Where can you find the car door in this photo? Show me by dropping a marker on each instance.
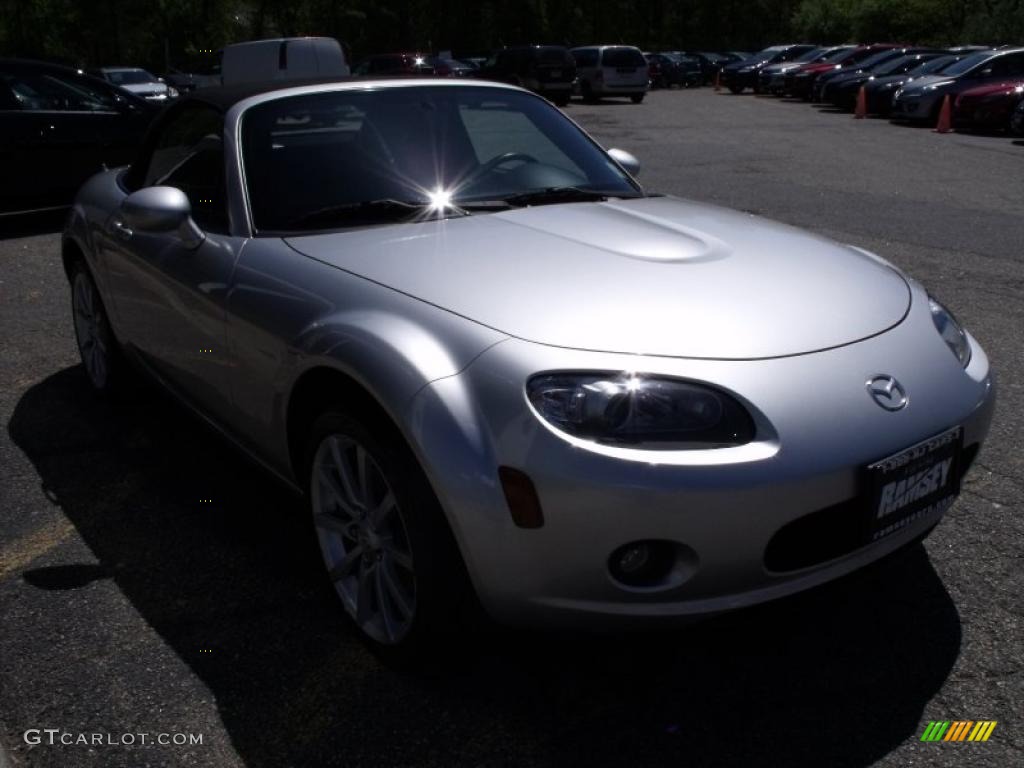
(53, 134)
(169, 297)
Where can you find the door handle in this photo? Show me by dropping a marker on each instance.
(120, 229)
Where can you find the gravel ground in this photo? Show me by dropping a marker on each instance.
(128, 606)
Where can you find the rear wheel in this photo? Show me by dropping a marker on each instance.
(736, 88)
(636, 98)
(561, 100)
(587, 92)
(384, 540)
(101, 356)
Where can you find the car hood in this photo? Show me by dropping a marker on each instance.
(820, 67)
(920, 83)
(144, 88)
(1005, 88)
(657, 275)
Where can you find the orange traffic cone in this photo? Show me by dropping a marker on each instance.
(862, 104)
(718, 85)
(945, 124)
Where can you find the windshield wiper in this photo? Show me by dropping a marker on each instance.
(552, 195)
(366, 211)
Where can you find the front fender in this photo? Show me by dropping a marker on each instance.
(289, 315)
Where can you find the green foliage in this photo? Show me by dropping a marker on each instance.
(154, 33)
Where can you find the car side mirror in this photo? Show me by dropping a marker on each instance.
(625, 159)
(162, 209)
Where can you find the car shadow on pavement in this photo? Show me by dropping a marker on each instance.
(838, 676)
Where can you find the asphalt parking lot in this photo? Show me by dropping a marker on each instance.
(131, 604)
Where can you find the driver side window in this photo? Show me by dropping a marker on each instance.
(189, 154)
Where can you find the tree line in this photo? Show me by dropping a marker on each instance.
(184, 33)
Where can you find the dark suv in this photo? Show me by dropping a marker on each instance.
(545, 69)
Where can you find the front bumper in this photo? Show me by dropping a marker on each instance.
(984, 115)
(916, 108)
(722, 506)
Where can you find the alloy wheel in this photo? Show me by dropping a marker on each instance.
(363, 539)
(90, 330)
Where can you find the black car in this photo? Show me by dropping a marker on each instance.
(843, 90)
(710, 63)
(545, 69)
(821, 91)
(59, 126)
(674, 68)
(1017, 120)
(741, 75)
(880, 89)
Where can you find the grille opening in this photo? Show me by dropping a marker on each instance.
(830, 532)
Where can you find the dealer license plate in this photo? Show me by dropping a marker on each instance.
(919, 482)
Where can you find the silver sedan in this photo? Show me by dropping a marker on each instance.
(495, 366)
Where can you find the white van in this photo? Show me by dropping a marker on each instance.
(611, 70)
(286, 58)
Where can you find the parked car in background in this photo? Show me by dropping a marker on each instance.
(406, 63)
(800, 81)
(444, 67)
(880, 90)
(988, 107)
(710, 63)
(611, 70)
(921, 100)
(741, 75)
(674, 68)
(138, 81)
(188, 81)
(1017, 120)
(844, 90)
(59, 126)
(824, 80)
(286, 58)
(545, 69)
(772, 77)
(841, 89)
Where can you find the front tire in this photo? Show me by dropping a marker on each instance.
(97, 346)
(736, 89)
(383, 537)
(636, 98)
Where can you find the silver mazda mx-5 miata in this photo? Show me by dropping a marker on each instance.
(494, 364)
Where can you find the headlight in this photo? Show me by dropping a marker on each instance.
(640, 411)
(951, 331)
(747, 69)
(936, 86)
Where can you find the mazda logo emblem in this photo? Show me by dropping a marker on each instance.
(887, 392)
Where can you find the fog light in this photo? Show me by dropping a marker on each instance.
(634, 558)
(643, 563)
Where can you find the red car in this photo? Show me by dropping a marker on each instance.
(988, 107)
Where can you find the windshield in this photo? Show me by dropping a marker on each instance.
(935, 65)
(130, 77)
(965, 65)
(448, 146)
(554, 57)
(811, 55)
(622, 57)
(900, 64)
(878, 58)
